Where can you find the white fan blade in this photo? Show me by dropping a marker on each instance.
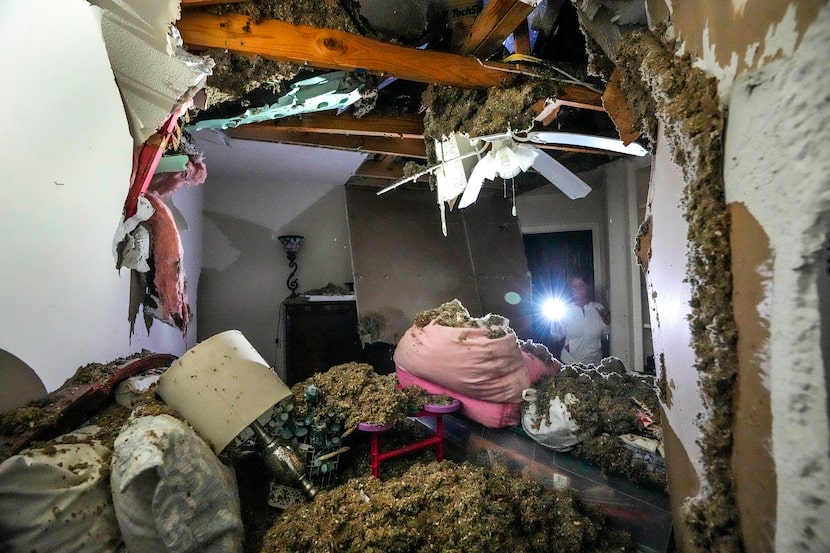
(526, 155)
(588, 141)
(484, 169)
(561, 177)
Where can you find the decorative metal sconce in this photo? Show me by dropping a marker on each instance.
(291, 243)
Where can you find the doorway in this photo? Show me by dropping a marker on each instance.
(551, 258)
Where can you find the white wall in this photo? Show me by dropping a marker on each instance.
(256, 191)
(777, 167)
(670, 294)
(64, 173)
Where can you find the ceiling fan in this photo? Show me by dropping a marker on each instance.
(505, 155)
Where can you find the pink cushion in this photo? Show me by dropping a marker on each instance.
(487, 413)
(466, 361)
(536, 368)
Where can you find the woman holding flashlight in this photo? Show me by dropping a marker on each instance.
(583, 325)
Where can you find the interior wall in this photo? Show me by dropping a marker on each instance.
(65, 173)
(705, 29)
(782, 259)
(776, 184)
(255, 192)
(669, 296)
(404, 264)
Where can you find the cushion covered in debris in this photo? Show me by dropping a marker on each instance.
(489, 413)
(486, 374)
(57, 498)
(465, 360)
(170, 491)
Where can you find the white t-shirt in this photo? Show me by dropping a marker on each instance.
(583, 329)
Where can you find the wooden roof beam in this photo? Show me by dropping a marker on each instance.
(405, 125)
(338, 50)
(335, 49)
(267, 132)
(494, 24)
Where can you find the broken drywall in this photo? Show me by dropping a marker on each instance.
(706, 29)
(685, 102)
(777, 167)
(154, 73)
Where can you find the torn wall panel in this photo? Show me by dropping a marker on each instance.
(777, 167)
(154, 73)
(705, 29)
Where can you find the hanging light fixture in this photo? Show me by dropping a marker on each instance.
(291, 243)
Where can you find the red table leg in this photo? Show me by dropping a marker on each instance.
(375, 457)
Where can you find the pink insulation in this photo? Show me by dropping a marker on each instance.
(167, 252)
(194, 174)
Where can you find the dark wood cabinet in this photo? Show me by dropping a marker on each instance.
(319, 335)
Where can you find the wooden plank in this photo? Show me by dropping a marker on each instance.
(406, 125)
(266, 132)
(548, 110)
(334, 49)
(494, 24)
(618, 109)
(521, 38)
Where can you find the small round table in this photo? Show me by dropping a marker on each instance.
(430, 410)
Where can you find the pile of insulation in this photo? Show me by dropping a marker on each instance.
(617, 416)
(444, 507)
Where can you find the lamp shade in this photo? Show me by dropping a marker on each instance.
(291, 242)
(220, 386)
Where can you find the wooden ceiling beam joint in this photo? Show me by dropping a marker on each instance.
(494, 24)
(405, 125)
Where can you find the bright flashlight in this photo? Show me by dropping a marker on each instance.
(554, 309)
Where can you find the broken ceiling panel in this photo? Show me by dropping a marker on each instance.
(335, 90)
(153, 71)
(607, 20)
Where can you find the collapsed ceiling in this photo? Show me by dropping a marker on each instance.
(389, 77)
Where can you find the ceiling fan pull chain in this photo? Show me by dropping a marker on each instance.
(513, 185)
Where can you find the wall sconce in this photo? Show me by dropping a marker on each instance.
(291, 243)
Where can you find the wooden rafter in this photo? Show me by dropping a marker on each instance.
(407, 125)
(268, 132)
(334, 49)
(521, 38)
(494, 24)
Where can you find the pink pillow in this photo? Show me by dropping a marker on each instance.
(465, 361)
(487, 413)
(536, 368)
